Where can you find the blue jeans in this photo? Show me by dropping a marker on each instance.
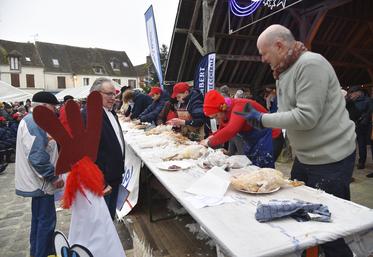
(43, 223)
(111, 200)
(333, 178)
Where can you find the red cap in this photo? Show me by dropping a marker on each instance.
(2, 118)
(15, 116)
(214, 103)
(155, 90)
(180, 88)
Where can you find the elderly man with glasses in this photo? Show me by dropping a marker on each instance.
(110, 155)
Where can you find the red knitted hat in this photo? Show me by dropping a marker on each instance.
(155, 90)
(180, 88)
(214, 103)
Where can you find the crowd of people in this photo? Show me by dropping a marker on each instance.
(306, 102)
(10, 116)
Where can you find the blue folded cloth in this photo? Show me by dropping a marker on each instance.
(297, 209)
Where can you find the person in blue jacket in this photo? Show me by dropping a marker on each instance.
(138, 102)
(151, 113)
(190, 117)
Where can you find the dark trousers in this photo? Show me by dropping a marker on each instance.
(333, 178)
(111, 200)
(278, 144)
(43, 223)
(363, 139)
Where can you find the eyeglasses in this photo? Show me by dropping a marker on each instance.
(109, 94)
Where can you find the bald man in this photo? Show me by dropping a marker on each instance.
(312, 109)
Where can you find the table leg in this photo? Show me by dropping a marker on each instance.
(150, 199)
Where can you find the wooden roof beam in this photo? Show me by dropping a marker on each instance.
(211, 27)
(312, 31)
(370, 25)
(370, 72)
(231, 49)
(350, 65)
(187, 43)
(196, 44)
(207, 14)
(219, 35)
(337, 45)
(362, 58)
(243, 50)
(324, 6)
(244, 58)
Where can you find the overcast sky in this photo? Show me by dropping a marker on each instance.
(109, 24)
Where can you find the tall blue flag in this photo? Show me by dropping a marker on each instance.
(204, 76)
(151, 32)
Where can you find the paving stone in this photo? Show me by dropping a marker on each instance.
(14, 214)
(8, 222)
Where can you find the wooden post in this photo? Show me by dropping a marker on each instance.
(207, 11)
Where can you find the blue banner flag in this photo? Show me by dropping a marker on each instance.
(151, 32)
(204, 77)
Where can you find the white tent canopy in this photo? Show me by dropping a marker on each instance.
(79, 92)
(76, 92)
(8, 93)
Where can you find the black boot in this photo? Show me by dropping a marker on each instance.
(3, 167)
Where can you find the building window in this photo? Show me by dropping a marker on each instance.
(85, 81)
(115, 65)
(28, 59)
(132, 83)
(117, 80)
(14, 63)
(125, 64)
(61, 82)
(98, 69)
(30, 81)
(55, 62)
(14, 79)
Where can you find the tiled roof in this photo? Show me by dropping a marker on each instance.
(79, 60)
(26, 51)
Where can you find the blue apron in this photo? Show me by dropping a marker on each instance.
(257, 146)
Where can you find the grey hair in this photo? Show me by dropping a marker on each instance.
(97, 85)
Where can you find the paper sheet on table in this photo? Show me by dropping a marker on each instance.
(199, 202)
(213, 184)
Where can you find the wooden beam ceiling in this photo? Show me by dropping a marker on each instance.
(232, 57)
(187, 42)
(219, 34)
(196, 44)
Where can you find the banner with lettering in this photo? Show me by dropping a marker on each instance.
(129, 189)
(151, 33)
(204, 76)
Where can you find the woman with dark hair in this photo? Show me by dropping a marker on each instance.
(137, 101)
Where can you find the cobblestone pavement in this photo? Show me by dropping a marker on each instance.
(15, 219)
(15, 211)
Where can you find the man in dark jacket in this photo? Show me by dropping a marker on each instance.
(151, 113)
(138, 102)
(110, 155)
(359, 107)
(189, 110)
